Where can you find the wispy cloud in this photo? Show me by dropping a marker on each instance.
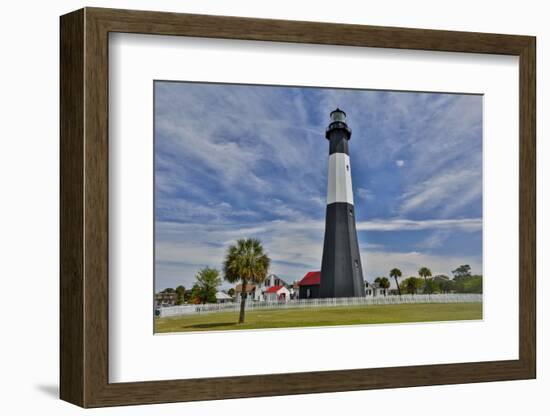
(468, 224)
(365, 194)
(449, 191)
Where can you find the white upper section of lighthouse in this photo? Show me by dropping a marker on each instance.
(339, 179)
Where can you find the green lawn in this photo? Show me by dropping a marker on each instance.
(288, 318)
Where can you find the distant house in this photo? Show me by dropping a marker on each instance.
(374, 289)
(271, 289)
(166, 299)
(222, 297)
(277, 294)
(272, 280)
(258, 292)
(309, 285)
(252, 292)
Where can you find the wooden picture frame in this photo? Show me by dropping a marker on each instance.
(84, 207)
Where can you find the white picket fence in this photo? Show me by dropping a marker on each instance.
(321, 303)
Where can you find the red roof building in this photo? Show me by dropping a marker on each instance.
(311, 279)
(277, 293)
(309, 285)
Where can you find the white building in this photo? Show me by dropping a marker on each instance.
(272, 280)
(253, 292)
(261, 292)
(222, 297)
(374, 289)
(277, 294)
(274, 288)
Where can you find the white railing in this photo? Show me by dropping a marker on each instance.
(322, 303)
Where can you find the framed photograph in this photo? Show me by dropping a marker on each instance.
(316, 195)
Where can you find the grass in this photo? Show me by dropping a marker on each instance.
(292, 318)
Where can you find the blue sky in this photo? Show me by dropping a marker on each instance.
(234, 161)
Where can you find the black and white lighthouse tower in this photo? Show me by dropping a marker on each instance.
(341, 271)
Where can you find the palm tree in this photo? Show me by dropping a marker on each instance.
(245, 262)
(425, 273)
(395, 273)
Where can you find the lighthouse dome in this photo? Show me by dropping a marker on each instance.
(338, 115)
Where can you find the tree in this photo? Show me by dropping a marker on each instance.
(245, 262)
(383, 282)
(168, 290)
(462, 271)
(425, 273)
(412, 284)
(231, 292)
(180, 292)
(395, 273)
(469, 284)
(206, 286)
(430, 286)
(446, 286)
(194, 295)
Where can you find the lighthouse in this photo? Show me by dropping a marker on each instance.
(341, 270)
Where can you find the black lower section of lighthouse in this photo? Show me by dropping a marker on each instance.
(341, 269)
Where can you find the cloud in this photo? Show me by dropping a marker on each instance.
(400, 163)
(237, 143)
(449, 191)
(365, 194)
(468, 224)
(436, 239)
